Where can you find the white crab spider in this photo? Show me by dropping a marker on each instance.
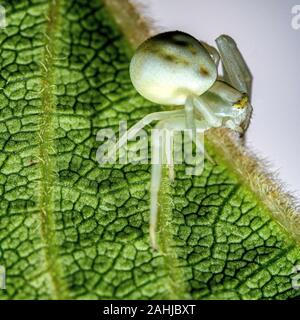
(173, 68)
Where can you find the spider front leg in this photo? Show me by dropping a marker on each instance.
(162, 152)
(213, 52)
(236, 71)
(132, 132)
(191, 122)
(156, 173)
(204, 109)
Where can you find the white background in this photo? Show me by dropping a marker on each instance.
(271, 48)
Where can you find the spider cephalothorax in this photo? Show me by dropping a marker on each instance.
(174, 68)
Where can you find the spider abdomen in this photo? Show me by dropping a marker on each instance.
(170, 66)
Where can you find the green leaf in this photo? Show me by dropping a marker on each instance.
(70, 229)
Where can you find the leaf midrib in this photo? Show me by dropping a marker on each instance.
(46, 158)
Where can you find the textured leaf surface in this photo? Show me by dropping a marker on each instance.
(71, 229)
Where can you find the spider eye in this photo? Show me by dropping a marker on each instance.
(242, 103)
